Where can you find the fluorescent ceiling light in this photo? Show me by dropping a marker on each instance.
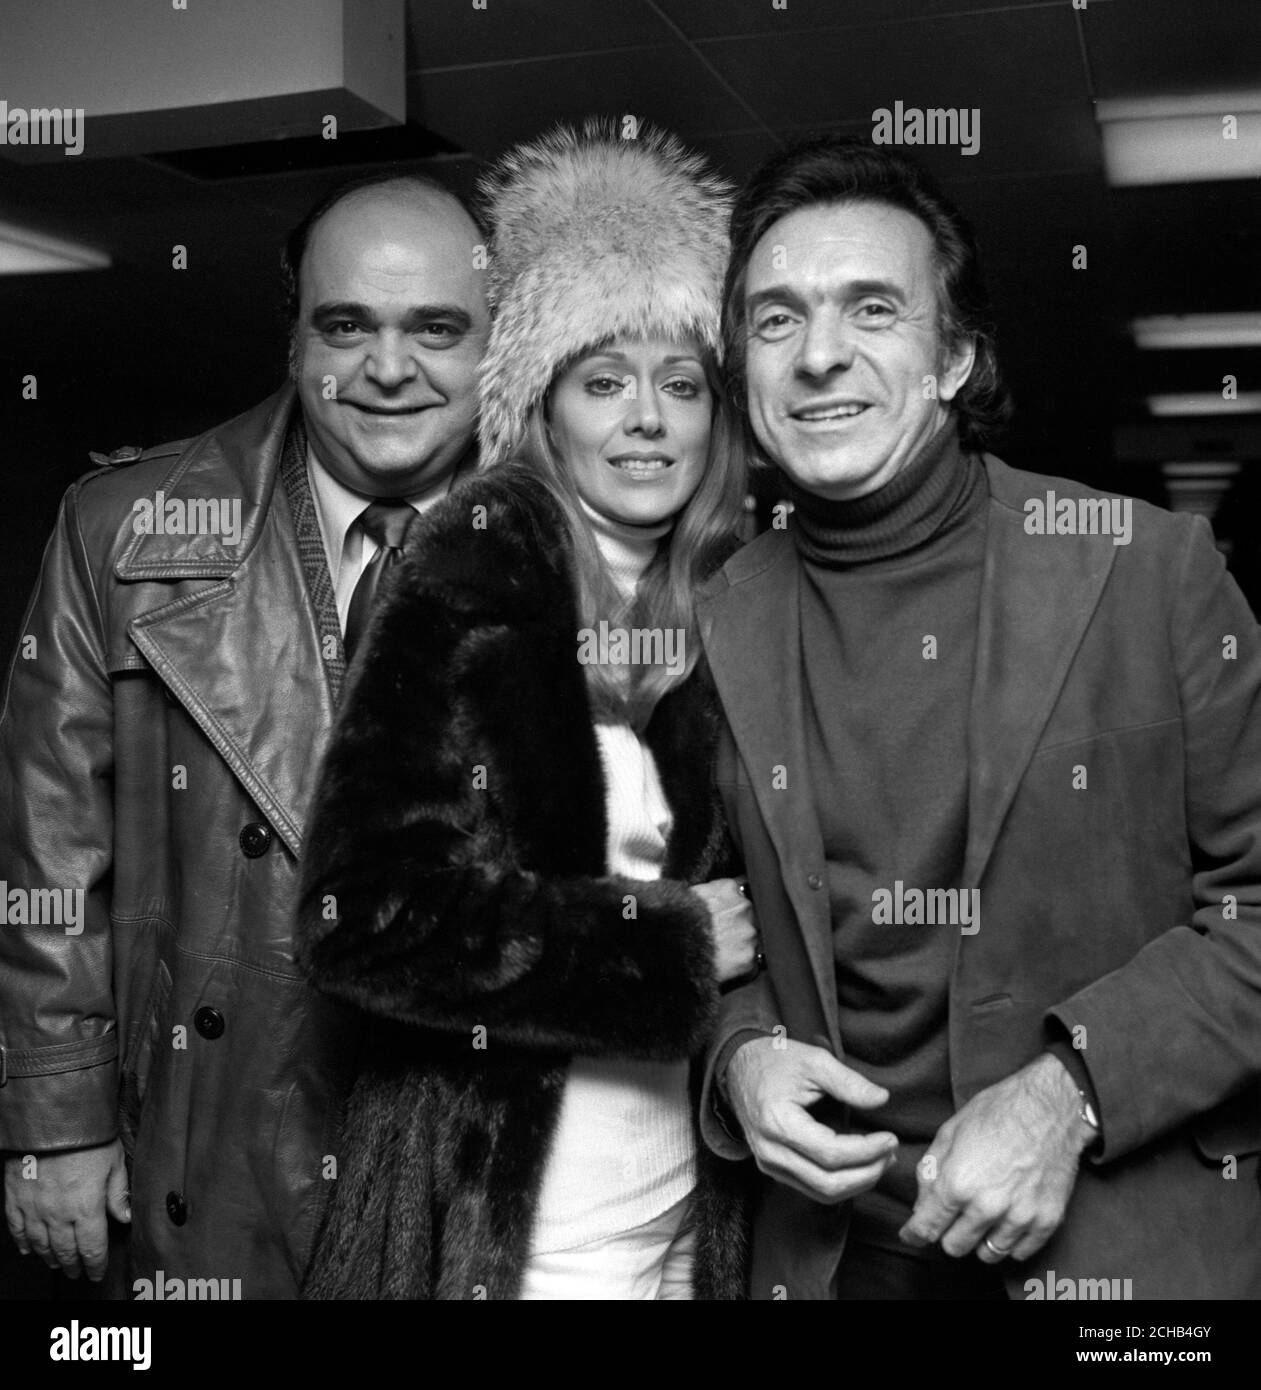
(1206, 470)
(25, 252)
(1149, 140)
(1198, 331)
(1199, 485)
(1204, 403)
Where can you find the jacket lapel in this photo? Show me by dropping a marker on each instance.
(243, 654)
(752, 633)
(1037, 596)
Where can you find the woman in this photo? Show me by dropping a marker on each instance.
(510, 814)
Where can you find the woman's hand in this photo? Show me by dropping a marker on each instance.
(733, 926)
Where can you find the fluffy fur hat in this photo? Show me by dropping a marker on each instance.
(592, 237)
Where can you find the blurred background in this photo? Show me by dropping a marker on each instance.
(1115, 191)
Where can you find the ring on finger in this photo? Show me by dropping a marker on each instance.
(1000, 1251)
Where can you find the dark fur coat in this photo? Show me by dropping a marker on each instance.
(455, 889)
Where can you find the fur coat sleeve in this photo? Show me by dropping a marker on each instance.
(455, 867)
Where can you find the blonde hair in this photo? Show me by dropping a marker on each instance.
(703, 535)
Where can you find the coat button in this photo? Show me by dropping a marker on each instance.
(176, 1208)
(815, 881)
(255, 839)
(209, 1023)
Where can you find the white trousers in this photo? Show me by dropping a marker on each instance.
(651, 1261)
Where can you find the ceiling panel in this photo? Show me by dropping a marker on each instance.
(445, 33)
(1050, 139)
(1145, 47)
(847, 74)
(715, 18)
(486, 109)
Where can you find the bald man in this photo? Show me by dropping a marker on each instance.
(162, 1062)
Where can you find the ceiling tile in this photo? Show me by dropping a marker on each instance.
(1146, 47)
(717, 18)
(1053, 138)
(486, 109)
(446, 33)
(847, 74)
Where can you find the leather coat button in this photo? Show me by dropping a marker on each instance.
(255, 839)
(815, 880)
(176, 1208)
(209, 1022)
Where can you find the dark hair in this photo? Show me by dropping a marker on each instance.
(830, 169)
(294, 248)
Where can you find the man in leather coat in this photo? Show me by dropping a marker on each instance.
(170, 696)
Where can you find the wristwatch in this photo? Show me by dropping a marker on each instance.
(1086, 1113)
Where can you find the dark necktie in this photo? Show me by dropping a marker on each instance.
(386, 522)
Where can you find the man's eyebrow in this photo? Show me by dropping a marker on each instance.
(451, 313)
(341, 309)
(420, 313)
(773, 294)
(853, 289)
(889, 288)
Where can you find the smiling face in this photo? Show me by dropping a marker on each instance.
(632, 421)
(391, 309)
(841, 318)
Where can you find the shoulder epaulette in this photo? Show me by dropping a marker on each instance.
(116, 458)
(132, 453)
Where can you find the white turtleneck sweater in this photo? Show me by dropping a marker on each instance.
(623, 1152)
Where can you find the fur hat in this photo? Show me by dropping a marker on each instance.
(593, 237)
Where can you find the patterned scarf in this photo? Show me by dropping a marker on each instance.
(319, 583)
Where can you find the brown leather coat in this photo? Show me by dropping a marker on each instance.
(163, 720)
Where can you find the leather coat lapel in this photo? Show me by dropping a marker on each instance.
(1038, 594)
(242, 655)
(752, 637)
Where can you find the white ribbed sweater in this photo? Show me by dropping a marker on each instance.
(623, 1150)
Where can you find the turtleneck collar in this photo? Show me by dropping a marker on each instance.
(627, 550)
(934, 492)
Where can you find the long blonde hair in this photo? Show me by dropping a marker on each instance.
(703, 535)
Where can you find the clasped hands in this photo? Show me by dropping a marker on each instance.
(996, 1179)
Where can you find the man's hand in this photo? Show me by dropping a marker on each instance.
(60, 1213)
(1003, 1168)
(770, 1083)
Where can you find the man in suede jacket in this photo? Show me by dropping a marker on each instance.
(993, 762)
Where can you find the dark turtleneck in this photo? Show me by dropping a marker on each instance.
(886, 734)
(929, 494)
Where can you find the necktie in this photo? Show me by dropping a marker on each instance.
(386, 522)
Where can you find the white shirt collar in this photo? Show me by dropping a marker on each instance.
(338, 507)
